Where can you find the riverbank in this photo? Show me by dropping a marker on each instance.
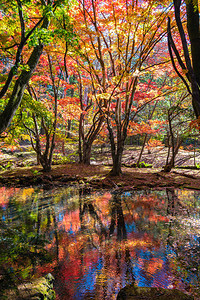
(98, 177)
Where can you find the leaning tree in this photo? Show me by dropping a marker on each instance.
(22, 36)
(187, 66)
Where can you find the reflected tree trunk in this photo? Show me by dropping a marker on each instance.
(129, 270)
(87, 207)
(55, 232)
(174, 204)
(117, 218)
(170, 197)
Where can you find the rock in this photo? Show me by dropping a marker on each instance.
(39, 289)
(133, 292)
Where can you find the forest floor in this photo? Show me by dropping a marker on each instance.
(96, 175)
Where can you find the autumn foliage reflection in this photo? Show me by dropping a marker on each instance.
(100, 241)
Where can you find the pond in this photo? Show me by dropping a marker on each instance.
(94, 243)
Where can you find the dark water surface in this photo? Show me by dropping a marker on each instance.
(94, 243)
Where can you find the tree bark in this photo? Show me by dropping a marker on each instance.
(86, 140)
(116, 152)
(194, 35)
(117, 161)
(87, 147)
(169, 165)
(193, 30)
(142, 149)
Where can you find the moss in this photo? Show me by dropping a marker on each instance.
(41, 288)
(132, 292)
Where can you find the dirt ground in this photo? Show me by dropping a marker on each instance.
(96, 175)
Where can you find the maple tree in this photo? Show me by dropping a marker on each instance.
(45, 156)
(90, 118)
(114, 61)
(60, 32)
(49, 106)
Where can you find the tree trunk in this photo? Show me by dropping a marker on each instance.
(169, 165)
(194, 35)
(86, 153)
(81, 137)
(44, 161)
(86, 140)
(69, 123)
(195, 145)
(15, 99)
(142, 150)
(46, 166)
(117, 161)
(116, 150)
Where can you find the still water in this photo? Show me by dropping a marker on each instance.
(94, 243)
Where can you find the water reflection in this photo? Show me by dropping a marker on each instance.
(95, 243)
